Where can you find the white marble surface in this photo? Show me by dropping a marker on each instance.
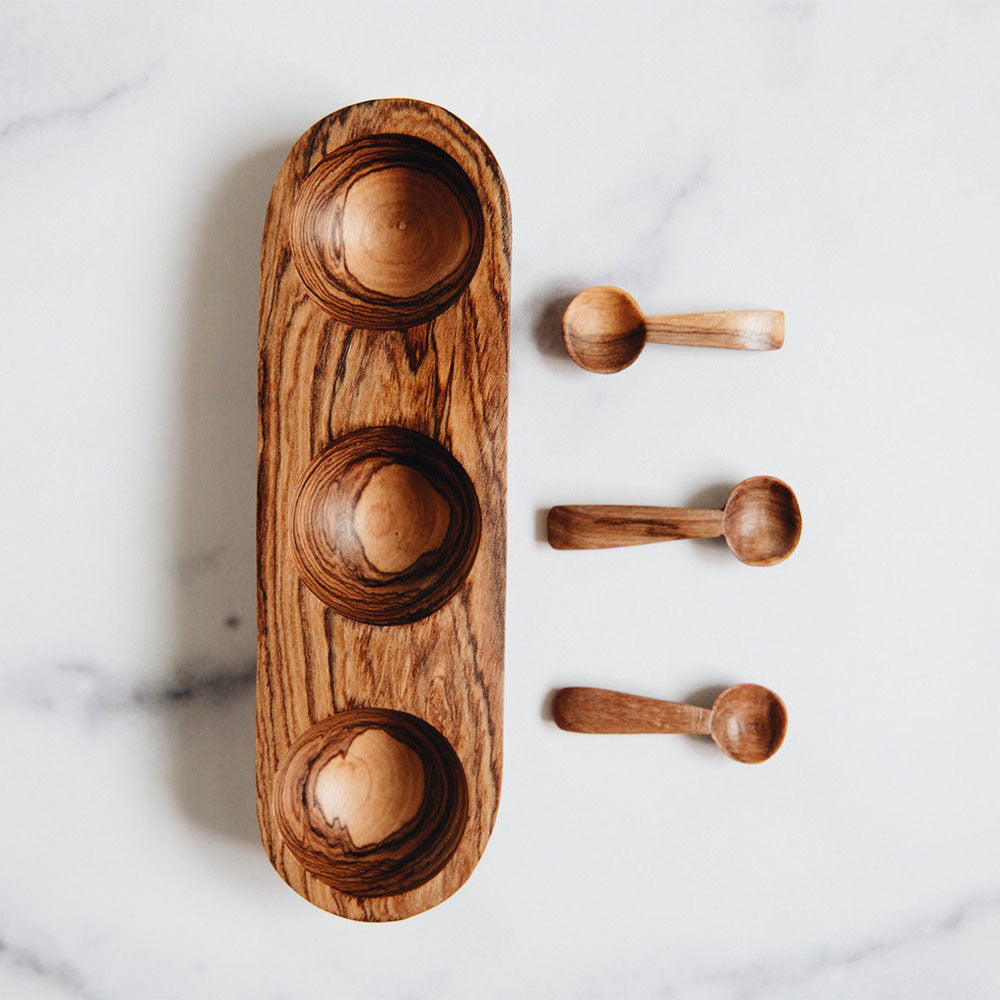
(840, 162)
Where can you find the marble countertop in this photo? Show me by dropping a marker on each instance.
(840, 162)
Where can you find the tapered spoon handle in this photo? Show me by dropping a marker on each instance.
(594, 710)
(603, 527)
(759, 330)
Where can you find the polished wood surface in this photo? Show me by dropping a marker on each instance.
(604, 330)
(761, 523)
(385, 283)
(746, 721)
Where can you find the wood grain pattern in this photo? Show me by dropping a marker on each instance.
(733, 329)
(597, 710)
(604, 329)
(339, 352)
(747, 722)
(607, 526)
(761, 523)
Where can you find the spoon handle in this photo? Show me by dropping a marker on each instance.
(594, 710)
(603, 527)
(760, 330)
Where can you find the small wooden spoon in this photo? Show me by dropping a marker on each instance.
(747, 721)
(604, 330)
(761, 523)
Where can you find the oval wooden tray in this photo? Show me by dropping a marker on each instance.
(381, 517)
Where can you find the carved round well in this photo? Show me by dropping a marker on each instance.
(386, 526)
(372, 801)
(387, 232)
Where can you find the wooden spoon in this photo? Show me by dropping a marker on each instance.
(604, 330)
(761, 523)
(747, 721)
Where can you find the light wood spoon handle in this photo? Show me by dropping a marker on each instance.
(756, 330)
(604, 527)
(594, 710)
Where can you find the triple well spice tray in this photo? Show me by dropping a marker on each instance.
(381, 524)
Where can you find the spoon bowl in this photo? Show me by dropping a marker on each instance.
(372, 801)
(748, 723)
(386, 232)
(386, 526)
(604, 330)
(761, 521)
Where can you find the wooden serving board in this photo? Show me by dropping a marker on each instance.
(324, 374)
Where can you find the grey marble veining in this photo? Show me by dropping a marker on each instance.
(82, 686)
(795, 973)
(79, 114)
(35, 966)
